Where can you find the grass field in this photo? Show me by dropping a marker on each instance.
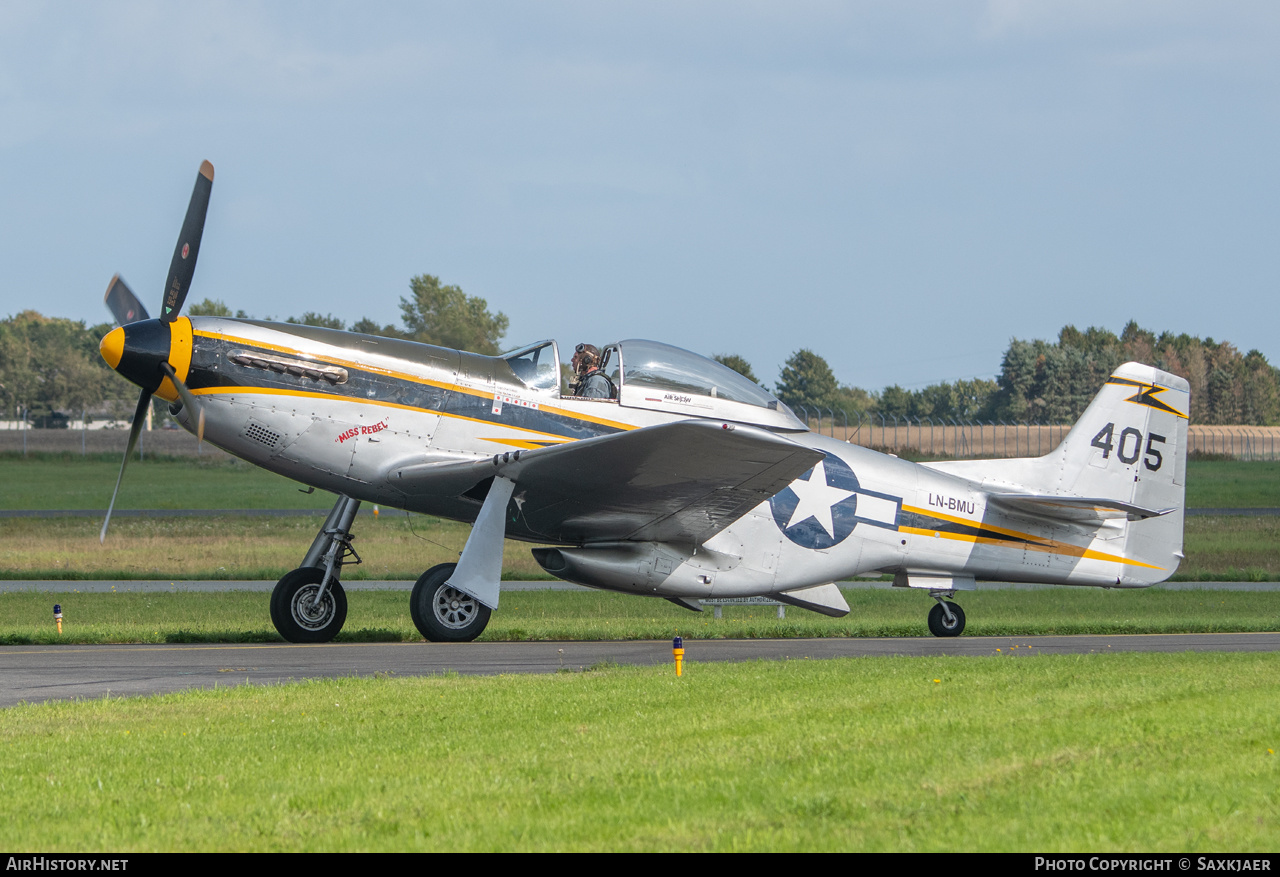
(1123, 752)
(242, 616)
(67, 481)
(1217, 484)
(395, 546)
(399, 547)
(1117, 752)
(1232, 549)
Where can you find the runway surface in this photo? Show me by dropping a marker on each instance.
(43, 673)
(106, 586)
(367, 510)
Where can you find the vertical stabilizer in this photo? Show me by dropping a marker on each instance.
(1130, 445)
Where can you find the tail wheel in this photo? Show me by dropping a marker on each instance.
(940, 625)
(444, 614)
(296, 613)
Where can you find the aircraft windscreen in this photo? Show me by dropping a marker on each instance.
(664, 367)
(536, 366)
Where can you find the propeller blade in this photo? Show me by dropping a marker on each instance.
(188, 399)
(183, 265)
(139, 416)
(122, 303)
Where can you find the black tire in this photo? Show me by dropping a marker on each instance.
(443, 614)
(292, 614)
(938, 625)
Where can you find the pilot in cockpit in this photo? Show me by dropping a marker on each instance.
(589, 381)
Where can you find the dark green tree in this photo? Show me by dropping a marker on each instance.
(214, 307)
(52, 364)
(807, 380)
(1054, 383)
(366, 326)
(972, 398)
(851, 399)
(894, 402)
(1260, 402)
(738, 364)
(324, 321)
(448, 317)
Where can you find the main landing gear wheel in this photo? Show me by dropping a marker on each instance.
(443, 614)
(297, 615)
(940, 625)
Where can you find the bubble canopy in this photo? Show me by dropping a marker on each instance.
(650, 374)
(656, 375)
(663, 367)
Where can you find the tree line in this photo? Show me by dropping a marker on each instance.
(50, 364)
(433, 313)
(1053, 382)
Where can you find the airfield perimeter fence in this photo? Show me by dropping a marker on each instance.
(914, 437)
(952, 439)
(113, 440)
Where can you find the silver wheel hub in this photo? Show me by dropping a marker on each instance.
(454, 609)
(307, 612)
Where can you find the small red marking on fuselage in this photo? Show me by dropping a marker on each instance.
(361, 430)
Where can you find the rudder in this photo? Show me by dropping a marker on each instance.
(1130, 445)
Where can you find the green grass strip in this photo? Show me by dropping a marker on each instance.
(70, 481)
(383, 616)
(399, 547)
(66, 481)
(1106, 753)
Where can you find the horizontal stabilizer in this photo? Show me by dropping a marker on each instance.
(1076, 509)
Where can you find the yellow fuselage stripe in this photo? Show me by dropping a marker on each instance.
(1033, 543)
(969, 523)
(307, 394)
(405, 376)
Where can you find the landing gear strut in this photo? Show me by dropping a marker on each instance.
(308, 605)
(945, 618)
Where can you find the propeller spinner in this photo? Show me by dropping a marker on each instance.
(156, 354)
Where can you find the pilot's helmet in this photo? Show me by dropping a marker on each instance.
(585, 357)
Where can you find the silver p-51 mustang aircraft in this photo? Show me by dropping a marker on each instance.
(693, 482)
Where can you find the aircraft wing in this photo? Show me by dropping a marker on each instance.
(676, 482)
(1073, 508)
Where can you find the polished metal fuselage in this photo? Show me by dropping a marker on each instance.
(341, 412)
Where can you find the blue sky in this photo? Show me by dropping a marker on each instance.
(902, 187)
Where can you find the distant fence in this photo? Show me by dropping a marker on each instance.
(917, 437)
(166, 442)
(958, 440)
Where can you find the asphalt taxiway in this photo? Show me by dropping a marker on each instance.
(43, 673)
(178, 586)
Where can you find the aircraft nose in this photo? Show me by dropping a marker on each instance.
(112, 346)
(136, 351)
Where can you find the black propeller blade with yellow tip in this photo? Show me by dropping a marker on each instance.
(156, 354)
